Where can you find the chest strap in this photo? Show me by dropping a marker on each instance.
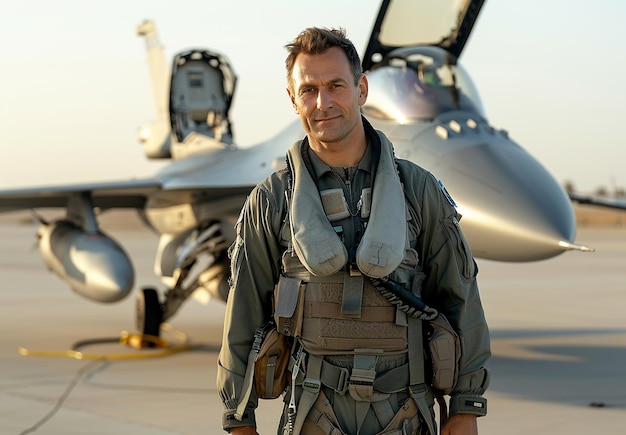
(338, 378)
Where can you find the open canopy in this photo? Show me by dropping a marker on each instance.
(404, 23)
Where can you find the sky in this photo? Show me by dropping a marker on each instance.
(74, 83)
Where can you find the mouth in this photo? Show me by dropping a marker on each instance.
(326, 119)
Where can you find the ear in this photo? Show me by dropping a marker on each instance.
(293, 101)
(363, 88)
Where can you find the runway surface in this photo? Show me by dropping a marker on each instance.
(558, 336)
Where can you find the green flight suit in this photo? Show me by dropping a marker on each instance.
(445, 258)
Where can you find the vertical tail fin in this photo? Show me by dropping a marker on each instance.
(155, 136)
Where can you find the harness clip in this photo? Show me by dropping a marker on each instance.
(353, 270)
(343, 382)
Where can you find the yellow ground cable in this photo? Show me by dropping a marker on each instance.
(130, 339)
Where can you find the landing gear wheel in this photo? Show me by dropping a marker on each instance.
(148, 317)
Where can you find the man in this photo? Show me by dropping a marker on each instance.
(342, 218)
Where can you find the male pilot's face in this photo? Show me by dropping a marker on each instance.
(323, 94)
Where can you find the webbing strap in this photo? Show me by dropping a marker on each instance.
(322, 421)
(271, 369)
(361, 409)
(310, 390)
(418, 395)
(247, 386)
(361, 385)
(352, 298)
(383, 411)
(416, 351)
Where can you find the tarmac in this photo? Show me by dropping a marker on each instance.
(558, 337)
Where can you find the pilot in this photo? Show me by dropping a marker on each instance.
(315, 241)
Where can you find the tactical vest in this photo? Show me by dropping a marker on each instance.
(330, 305)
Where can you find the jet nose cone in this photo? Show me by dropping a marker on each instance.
(513, 209)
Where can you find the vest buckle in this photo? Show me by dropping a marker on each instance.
(361, 386)
(343, 382)
(311, 385)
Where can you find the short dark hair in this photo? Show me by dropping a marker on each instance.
(316, 40)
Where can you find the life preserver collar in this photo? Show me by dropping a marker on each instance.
(314, 240)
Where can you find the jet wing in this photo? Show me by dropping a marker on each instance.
(120, 194)
(619, 204)
(401, 23)
(203, 177)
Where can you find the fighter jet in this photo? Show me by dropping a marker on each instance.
(420, 96)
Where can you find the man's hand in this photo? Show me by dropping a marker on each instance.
(243, 430)
(460, 424)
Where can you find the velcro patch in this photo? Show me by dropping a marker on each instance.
(446, 194)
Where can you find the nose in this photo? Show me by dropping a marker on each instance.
(513, 209)
(324, 100)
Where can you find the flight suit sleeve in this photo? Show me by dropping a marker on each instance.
(451, 287)
(255, 265)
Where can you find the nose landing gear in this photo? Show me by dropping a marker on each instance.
(202, 263)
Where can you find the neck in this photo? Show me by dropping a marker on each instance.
(347, 152)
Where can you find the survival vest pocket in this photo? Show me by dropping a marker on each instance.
(270, 366)
(288, 305)
(444, 353)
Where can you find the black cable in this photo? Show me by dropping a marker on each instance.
(59, 403)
